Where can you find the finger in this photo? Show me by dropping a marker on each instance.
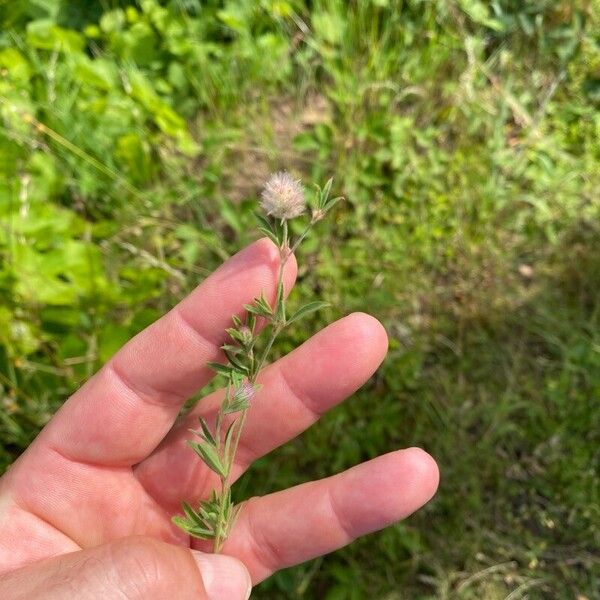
(120, 415)
(295, 392)
(134, 568)
(289, 527)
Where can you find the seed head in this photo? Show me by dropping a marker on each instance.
(245, 392)
(283, 196)
(246, 334)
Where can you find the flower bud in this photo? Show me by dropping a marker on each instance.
(246, 335)
(317, 214)
(244, 393)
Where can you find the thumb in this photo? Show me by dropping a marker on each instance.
(224, 577)
(136, 568)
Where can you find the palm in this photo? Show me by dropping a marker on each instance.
(111, 463)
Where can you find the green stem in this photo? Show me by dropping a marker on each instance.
(302, 236)
(225, 486)
(284, 254)
(261, 361)
(220, 525)
(255, 368)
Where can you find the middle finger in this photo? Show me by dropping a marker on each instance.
(295, 392)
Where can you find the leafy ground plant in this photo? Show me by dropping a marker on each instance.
(251, 341)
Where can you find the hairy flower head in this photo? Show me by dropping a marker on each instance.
(245, 392)
(283, 196)
(246, 335)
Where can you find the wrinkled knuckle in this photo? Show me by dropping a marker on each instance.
(261, 546)
(142, 567)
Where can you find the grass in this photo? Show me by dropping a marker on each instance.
(464, 136)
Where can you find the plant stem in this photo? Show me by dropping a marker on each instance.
(261, 361)
(218, 514)
(277, 325)
(224, 483)
(219, 533)
(302, 236)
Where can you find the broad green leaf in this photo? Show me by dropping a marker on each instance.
(46, 35)
(16, 65)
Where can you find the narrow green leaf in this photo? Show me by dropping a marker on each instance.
(325, 193)
(331, 203)
(208, 436)
(258, 309)
(181, 522)
(219, 368)
(210, 456)
(262, 301)
(201, 534)
(227, 443)
(192, 516)
(231, 349)
(236, 363)
(234, 334)
(265, 223)
(270, 235)
(306, 310)
(194, 530)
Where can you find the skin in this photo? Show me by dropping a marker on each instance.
(88, 506)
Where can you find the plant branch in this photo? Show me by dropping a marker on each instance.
(214, 517)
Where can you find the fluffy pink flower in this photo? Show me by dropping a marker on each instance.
(283, 196)
(245, 392)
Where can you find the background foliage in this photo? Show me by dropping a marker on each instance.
(134, 137)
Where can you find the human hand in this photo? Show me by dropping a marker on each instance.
(86, 510)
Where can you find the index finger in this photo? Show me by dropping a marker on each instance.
(120, 415)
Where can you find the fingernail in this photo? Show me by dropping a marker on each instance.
(224, 577)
